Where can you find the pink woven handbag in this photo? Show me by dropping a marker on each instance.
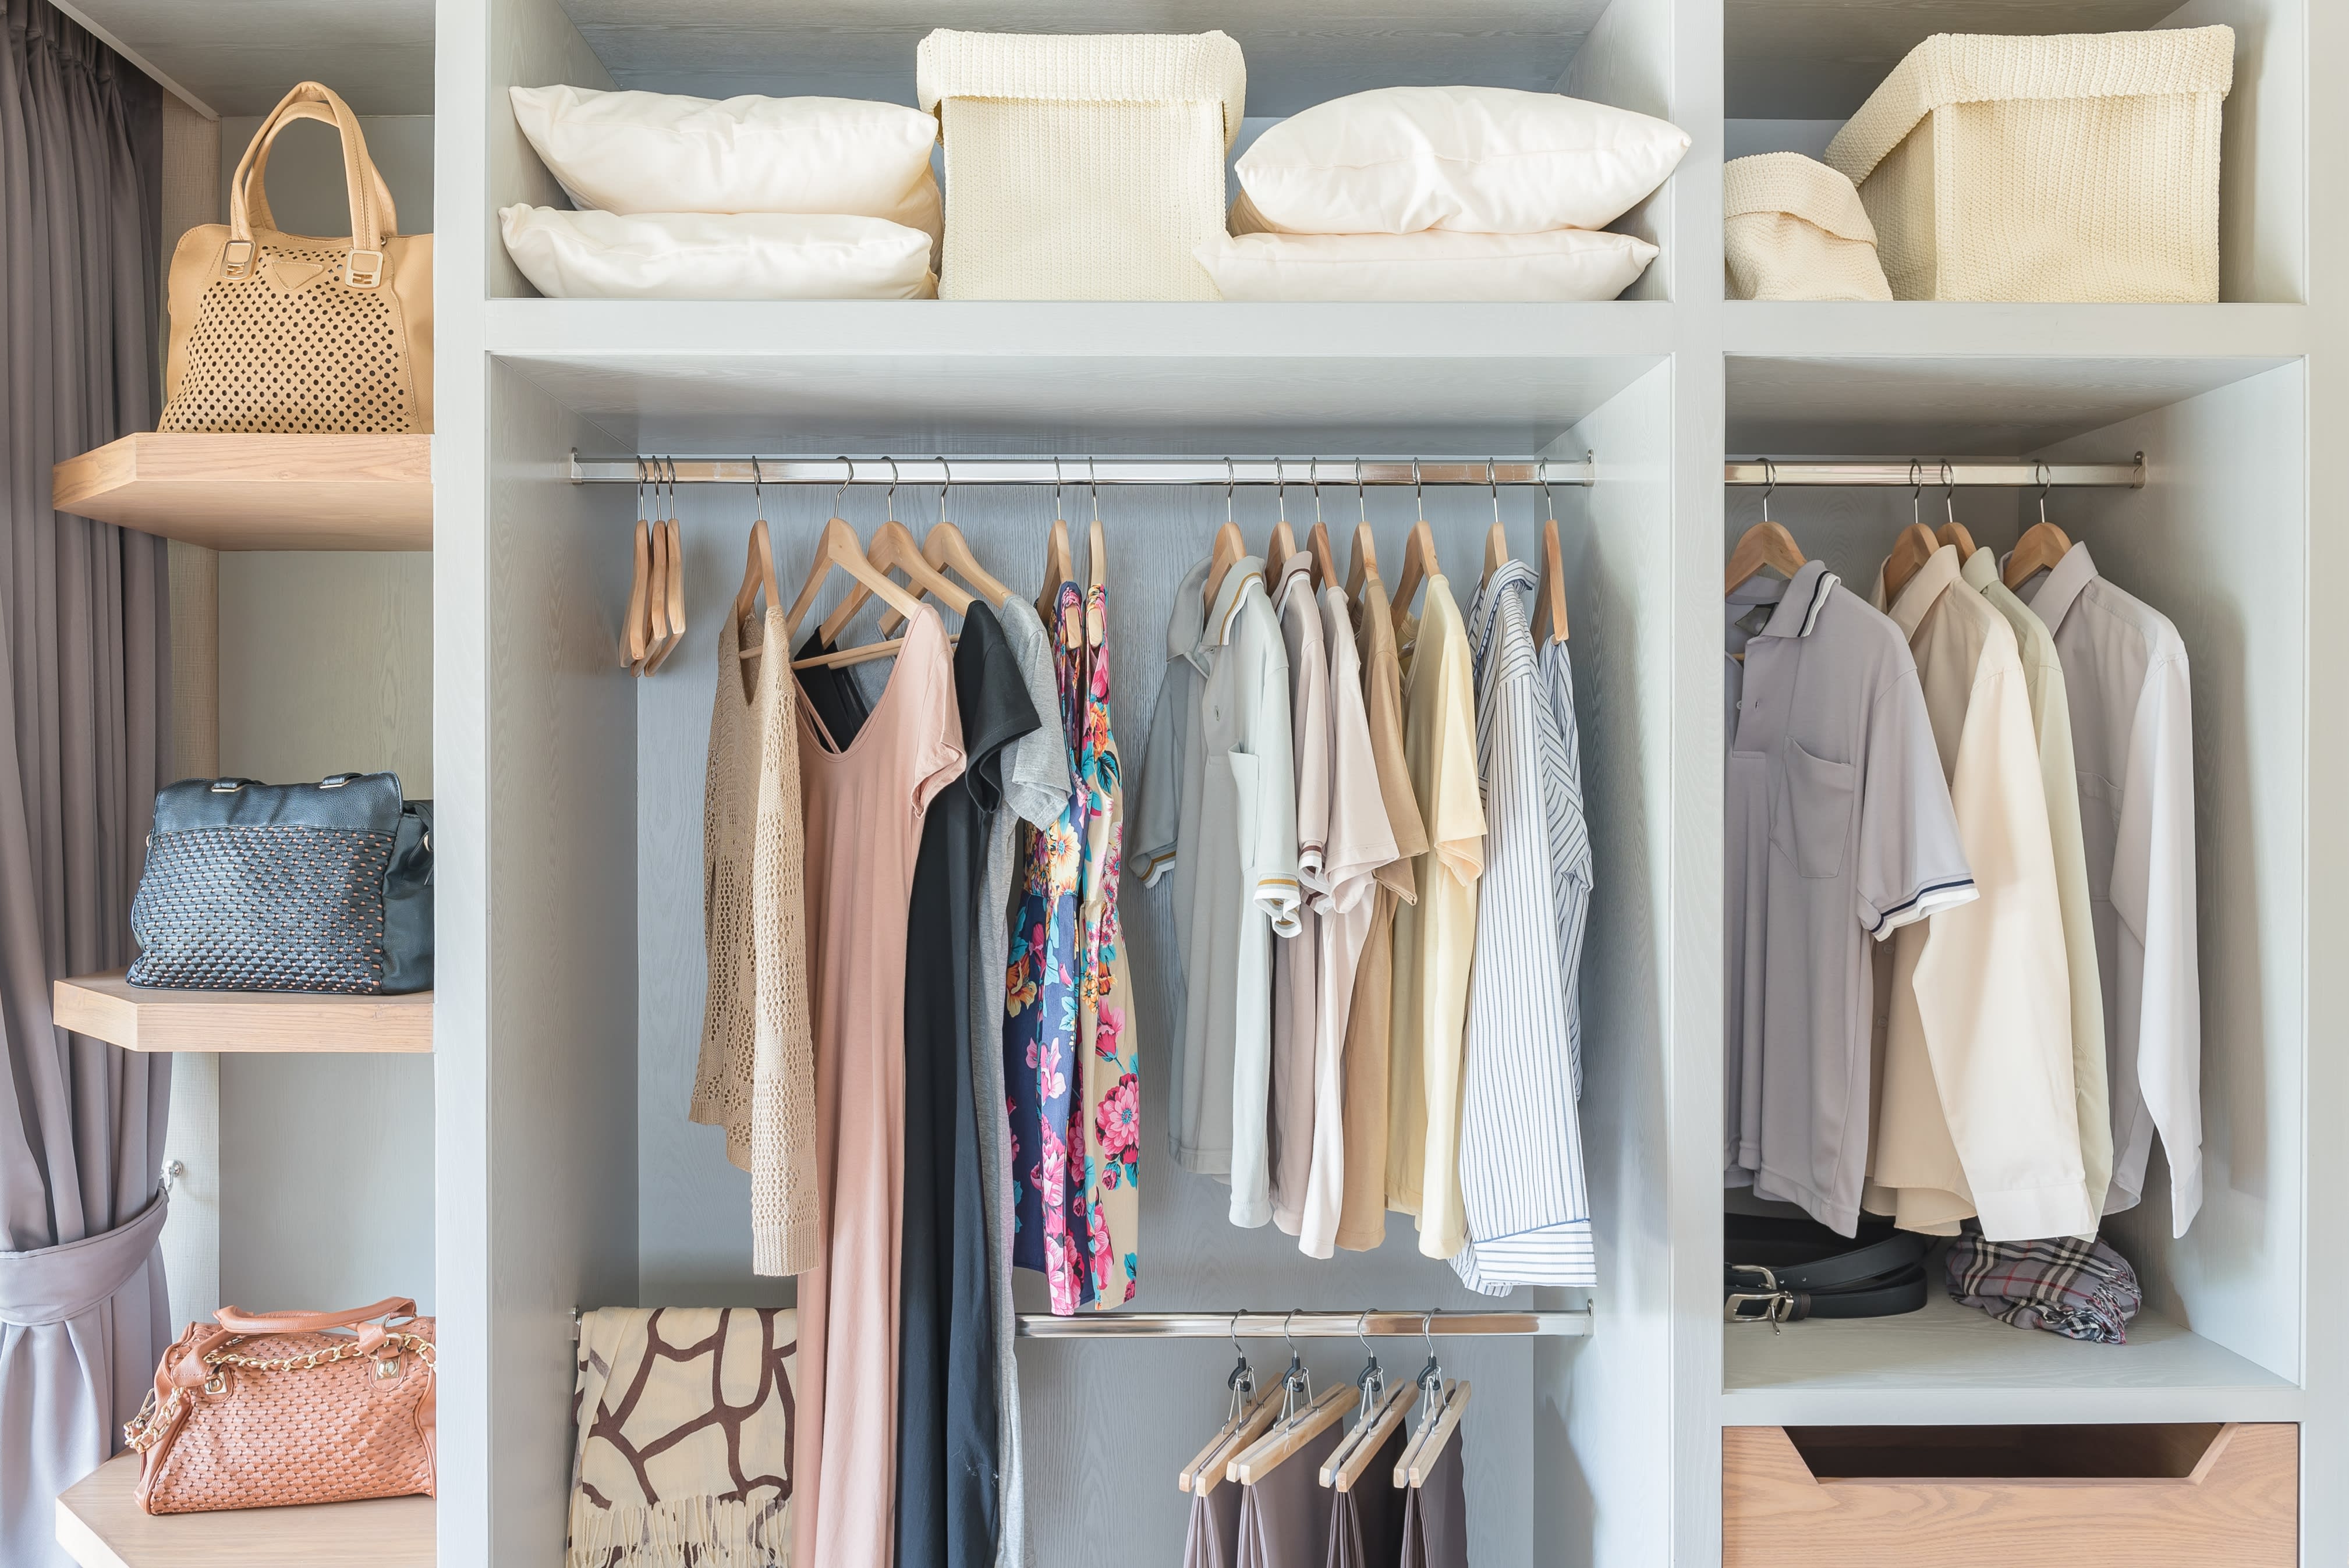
(267, 1409)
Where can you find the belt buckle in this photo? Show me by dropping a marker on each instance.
(1777, 1305)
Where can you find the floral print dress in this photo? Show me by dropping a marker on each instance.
(1105, 1037)
(1042, 1078)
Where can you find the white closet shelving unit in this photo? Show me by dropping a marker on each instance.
(568, 794)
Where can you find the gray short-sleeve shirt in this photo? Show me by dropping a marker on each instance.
(1840, 829)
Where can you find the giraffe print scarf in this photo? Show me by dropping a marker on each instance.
(684, 1420)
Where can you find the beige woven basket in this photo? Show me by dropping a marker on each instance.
(1082, 167)
(1795, 229)
(2079, 167)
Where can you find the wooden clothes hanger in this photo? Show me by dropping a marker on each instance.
(1283, 542)
(1766, 543)
(1230, 549)
(1247, 1414)
(1419, 562)
(1418, 1461)
(758, 569)
(1364, 563)
(837, 547)
(1953, 533)
(636, 639)
(1286, 1438)
(1317, 538)
(894, 548)
(947, 547)
(2043, 544)
(1057, 568)
(1496, 537)
(662, 637)
(1915, 546)
(1549, 593)
(676, 591)
(1352, 1459)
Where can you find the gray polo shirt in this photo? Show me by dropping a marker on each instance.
(1840, 829)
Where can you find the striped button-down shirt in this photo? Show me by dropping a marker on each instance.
(1520, 1144)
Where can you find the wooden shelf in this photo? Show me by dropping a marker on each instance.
(99, 1525)
(108, 1007)
(258, 492)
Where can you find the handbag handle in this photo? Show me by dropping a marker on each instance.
(257, 212)
(359, 169)
(237, 1320)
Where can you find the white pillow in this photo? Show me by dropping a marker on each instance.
(716, 255)
(655, 152)
(1491, 160)
(1563, 265)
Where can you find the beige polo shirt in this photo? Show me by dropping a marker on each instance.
(1363, 1216)
(2051, 725)
(1436, 937)
(1976, 1113)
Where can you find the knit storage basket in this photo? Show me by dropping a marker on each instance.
(2080, 167)
(1082, 167)
(1795, 229)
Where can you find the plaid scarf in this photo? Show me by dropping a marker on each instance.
(2083, 1290)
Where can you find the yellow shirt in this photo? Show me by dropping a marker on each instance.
(1435, 938)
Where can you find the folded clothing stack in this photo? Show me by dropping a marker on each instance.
(751, 198)
(1455, 193)
(2080, 1289)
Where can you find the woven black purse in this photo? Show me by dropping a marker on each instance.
(287, 887)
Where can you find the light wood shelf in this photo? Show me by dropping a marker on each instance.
(108, 1007)
(100, 1526)
(258, 492)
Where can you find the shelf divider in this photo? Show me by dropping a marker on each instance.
(141, 1019)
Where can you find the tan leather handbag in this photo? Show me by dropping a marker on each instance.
(266, 1408)
(287, 334)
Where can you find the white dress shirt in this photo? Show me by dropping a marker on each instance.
(2133, 740)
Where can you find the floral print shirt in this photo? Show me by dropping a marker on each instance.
(1106, 1044)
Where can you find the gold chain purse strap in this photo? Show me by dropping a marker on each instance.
(156, 1418)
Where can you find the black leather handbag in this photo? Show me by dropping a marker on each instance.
(287, 887)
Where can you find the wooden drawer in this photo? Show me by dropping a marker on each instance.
(2087, 1497)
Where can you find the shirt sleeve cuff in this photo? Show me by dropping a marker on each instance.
(1280, 897)
(1150, 865)
(1926, 901)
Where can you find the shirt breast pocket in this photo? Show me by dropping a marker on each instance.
(1810, 817)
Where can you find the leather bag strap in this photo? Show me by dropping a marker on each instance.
(256, 193)
(359, 169)
(238, 1321)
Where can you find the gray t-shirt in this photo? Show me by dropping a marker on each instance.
(1039, 776)
(1838, 828)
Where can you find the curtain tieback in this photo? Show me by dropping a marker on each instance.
(57, 1285)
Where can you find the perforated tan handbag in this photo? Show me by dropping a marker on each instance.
(260, 1410)
(296, 334)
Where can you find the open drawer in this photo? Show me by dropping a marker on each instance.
(1920, 1497)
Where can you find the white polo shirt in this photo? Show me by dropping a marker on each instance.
(1235, 861)
(2125, 675)
(1839, 830)
(1977, 1113)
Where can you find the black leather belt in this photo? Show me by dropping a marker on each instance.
(1783, 1271)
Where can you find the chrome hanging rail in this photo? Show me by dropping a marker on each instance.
(1934, 473)
(966, 472)
(1300, 1325)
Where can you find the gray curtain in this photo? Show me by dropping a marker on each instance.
(83, 683)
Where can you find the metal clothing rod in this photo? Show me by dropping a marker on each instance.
(1933, 473)
(1073, 473)
(1299, 1325)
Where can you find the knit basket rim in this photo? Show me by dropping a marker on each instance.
(1952, 69)
(1135, 68)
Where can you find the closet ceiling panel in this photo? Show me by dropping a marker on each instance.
(1951, 407)
(919, 404)
(240, 55)
(1819, 59)
(1300, 52)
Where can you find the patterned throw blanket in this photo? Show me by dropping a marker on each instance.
(684, 1418)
